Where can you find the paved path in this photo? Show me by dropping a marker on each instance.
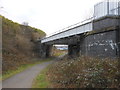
(25, 78)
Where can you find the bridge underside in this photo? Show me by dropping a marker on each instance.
(66, 41)
(103, 41)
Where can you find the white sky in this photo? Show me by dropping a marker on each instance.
(47, 15)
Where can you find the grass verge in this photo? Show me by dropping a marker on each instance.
(21, 68)
(41, 80)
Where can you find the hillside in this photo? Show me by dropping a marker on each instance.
(18, 43)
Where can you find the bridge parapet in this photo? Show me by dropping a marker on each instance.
(71, 32)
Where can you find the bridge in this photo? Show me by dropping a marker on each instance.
(98, 36)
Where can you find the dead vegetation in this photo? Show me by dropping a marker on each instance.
(84, 72)
(56, 52)
(18, 43)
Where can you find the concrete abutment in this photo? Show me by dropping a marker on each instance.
(45, 50)
(73, 50)
(102, 42)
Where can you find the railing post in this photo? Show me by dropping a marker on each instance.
(119, 8)
(107, 7)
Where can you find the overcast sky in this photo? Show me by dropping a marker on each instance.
(47, 15)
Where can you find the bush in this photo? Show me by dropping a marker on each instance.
(84, 72)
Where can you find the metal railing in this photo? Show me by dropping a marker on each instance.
(70, 27)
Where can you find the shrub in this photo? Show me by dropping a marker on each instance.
(84, 72)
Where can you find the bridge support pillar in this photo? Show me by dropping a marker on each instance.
(118, 40)
(73, 50)
(46, 50)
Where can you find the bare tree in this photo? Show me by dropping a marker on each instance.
(25, 23)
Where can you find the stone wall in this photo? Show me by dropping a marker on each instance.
(103, 41)
(102, 45)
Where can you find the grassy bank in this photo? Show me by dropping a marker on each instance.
(41, 80)
(10, 73)
(18, 44)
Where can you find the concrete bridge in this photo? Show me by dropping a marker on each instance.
(98, 36)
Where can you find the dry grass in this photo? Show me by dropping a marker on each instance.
(56, 52)
(18, 44)
(84, 72)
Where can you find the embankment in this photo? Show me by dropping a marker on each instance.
(18, 44)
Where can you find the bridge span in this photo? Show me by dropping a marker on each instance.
(98, 36)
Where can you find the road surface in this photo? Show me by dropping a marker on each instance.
(25, 78)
